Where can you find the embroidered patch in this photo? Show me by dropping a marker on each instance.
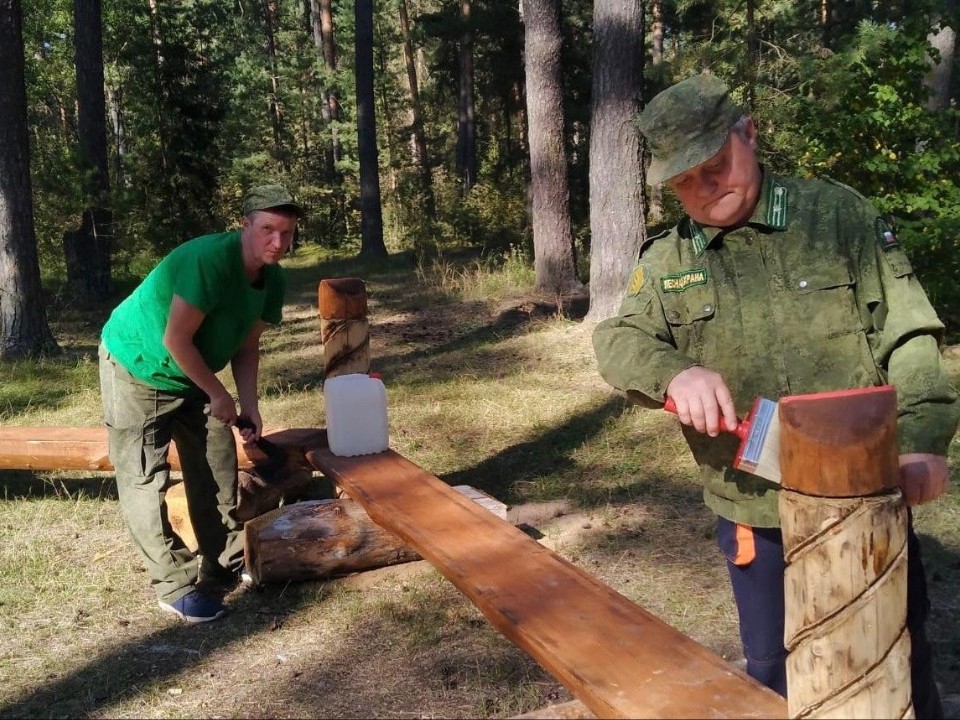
(681, 281)
(637, 280)
(885, 235)
(700, 239)
(777, 208)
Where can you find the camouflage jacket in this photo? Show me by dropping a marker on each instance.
(813, 294)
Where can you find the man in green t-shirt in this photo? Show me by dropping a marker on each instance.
(773, 286)
(202, 307)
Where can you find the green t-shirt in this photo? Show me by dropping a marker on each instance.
(207, 272)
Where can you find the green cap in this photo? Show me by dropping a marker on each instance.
(265, 197)
(686, 125)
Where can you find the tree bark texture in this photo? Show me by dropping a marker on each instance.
(371, 217)
(617, 229)
(344, 328)
(844, 538)
(87, 250)
(23, 323)
(554, 262)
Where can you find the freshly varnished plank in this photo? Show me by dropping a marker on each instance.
(615, 657)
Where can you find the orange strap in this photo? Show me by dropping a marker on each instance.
(746, 548)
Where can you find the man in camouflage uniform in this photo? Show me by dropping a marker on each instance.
(772, 287)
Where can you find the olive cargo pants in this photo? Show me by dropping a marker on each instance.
(141, 422)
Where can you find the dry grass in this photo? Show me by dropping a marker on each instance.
(495, 389)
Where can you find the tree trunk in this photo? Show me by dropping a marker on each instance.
(940, 77)
(87, 250)
(119, 133)
(371, 219)
(466, 125)
(321, 23)
(554, 261)
(844, 541)
(617, 229)
(23, 322)
(270, 13)
(418, 141)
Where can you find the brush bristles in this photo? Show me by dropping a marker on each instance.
(761, 449)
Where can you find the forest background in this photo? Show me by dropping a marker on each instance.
(477, 163)
(425, 125)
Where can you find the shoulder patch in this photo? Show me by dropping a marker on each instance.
(637, 280)
(885, 236)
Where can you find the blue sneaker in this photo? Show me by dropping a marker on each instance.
(195, 607)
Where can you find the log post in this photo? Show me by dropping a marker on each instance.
(844, 538)
(344, 329)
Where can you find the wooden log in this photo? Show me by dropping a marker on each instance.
(86, 448)
(344, 330)
(316, 539)
(611, 654)
(844, 536)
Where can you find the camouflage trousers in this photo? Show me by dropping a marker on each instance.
(141, 422)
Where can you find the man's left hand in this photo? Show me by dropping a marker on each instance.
(923, 477)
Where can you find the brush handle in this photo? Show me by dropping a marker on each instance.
(743, 426)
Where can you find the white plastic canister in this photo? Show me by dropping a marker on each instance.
(356, 407)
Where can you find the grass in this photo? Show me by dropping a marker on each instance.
(489, 385)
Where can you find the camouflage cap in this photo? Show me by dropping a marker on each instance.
(265, 197)
(686, 125)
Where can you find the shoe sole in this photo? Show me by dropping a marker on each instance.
(192, 619)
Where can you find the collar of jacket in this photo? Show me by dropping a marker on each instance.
(771, 213)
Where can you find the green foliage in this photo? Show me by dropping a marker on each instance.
(880, 138)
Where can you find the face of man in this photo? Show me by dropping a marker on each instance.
(267, 235)
(723, 191)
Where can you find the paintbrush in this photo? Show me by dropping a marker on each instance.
(759, 433)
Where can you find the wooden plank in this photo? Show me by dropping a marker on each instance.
(85, 448)
(612, 655)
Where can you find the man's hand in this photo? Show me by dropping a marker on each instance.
(923, 477)
(250, 425)
(703, 400)
(223, 408)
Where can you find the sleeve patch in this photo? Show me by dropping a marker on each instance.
(885, 236)
(637, 280)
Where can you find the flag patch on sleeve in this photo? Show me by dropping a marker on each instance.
(885, 235)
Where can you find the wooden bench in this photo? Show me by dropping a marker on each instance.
(612, 655)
